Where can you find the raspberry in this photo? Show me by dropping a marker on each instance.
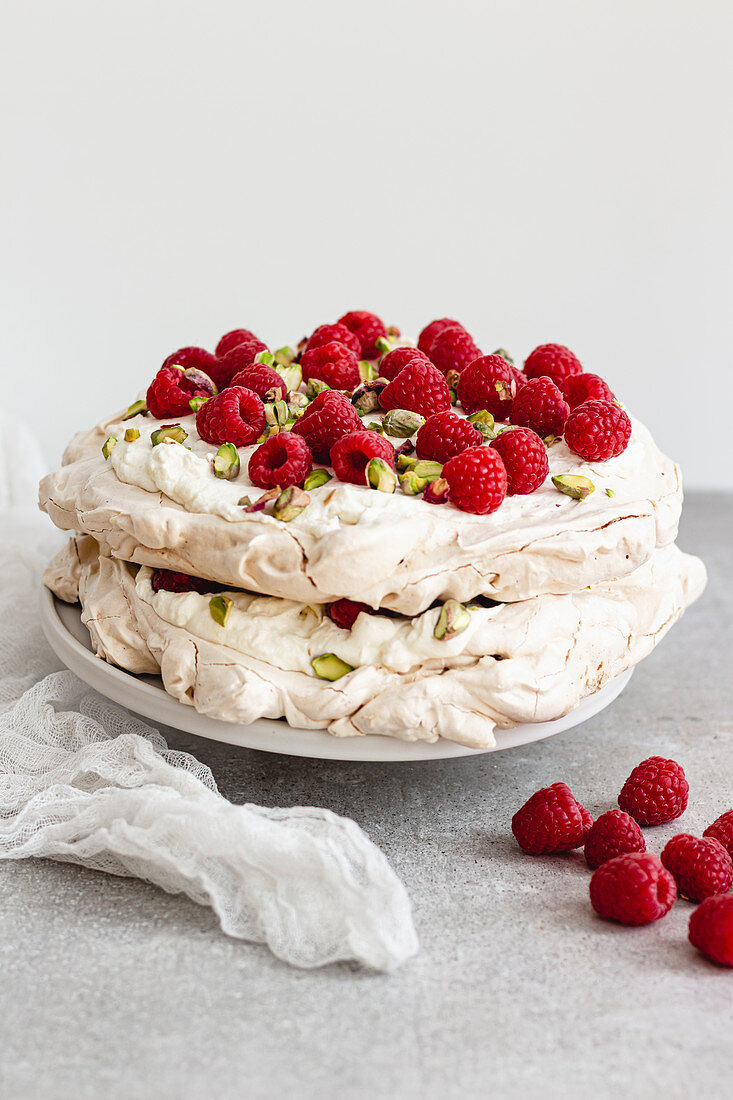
(551, 821)
(428, 334)
(453, 349)
(525, 460)
(325, 420)
(350, 454)
(325, 334)
(283, 459)
(553, 361)
(419, 387)
(477, 480)
(701, 868)
(345, 612)
(235, 416)
(578, 388)
(632, 889)
(392, 363)
(262, 380)
(722, 830)
(655, 792)
(540, 405)
(488, 383)
(612, 834)
(444, 435)
(165, 580)
(597, 430)
(232, 339)
(332, 363)
(192, 357)
(368, 328)
(169, 394)
(711, 929)
(235, 360)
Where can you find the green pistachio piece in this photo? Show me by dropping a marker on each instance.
(131, 434)
(428, 469)
(381, 476)
(486, 431)
(411, 484)
(220, 608)
(313, 387)
(453, 619)
(265, 357)
(226, 462)
(291, 502)
(201, 380)
(375, 426)
(169, 433)
(297, 403)
(402, 423)
(383, 345)
(610, 492)
(283, 357)
(316, 479)
(365, 402)
(328, 666)
(504, 354)
(574, 485)
(109, 443)
(482, 416)
(276, 413)
(196, 402)
(291, 374)
(137, 408)
(367, 370)
(406, 462)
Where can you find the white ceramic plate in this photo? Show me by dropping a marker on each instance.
(145, 695)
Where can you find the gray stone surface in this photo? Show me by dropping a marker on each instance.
(110, 988)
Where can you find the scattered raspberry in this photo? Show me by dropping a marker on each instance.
(325, 420)
(453, 349)
(419, 387)
(711, 929)
(241, 356)
(701, 867)
(334, 364)
(263, 380)
(552, 820)
(368, 328)
(632, 889)
(539, 405)
(597, 430)
(525, 459)
(444, 435)
(579, 388)
(165, 580)
(350, 454)
(235, 416)
(552, 361)
(488, 383)
(428, 334)
(192, 357)
(326, 334)
(169, 394)
(345, 612)
(477, 480)
(283, 459)
(655, 792)
(722, 830)
(612, 834)
(231, 339)
(392, 363)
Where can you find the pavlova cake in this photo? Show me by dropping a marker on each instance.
(370, 537)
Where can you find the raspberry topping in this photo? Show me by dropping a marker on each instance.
(262, 380)
(597, 430)
(235, 416)
(235, 360)
(192, 357)
(332, 363)
(525, 459)
(711, 929)
(368, 328)
(554, 361)
(345, 612)
(165, 580)
(477, 480)
(283, 459)
(444, 435)
(392, 363)
(722, 830)
(419, 387)
(579, 388)
(325, 420)
(701, 867)
(612, 834)
(325, 334)
(632, 889)
(453, 349)
(552, 820)
(539, 405)
(351, 453)
(655, 792)
(169, 394)
(231, 339)
(428, 334)
(488, 383)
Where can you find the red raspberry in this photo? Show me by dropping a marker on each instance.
(419, 387)
(325, 420)
(236, 360)
(165, 580)
(612, 834)
(477, 480)
(597, 430)
(334, 364)
(540, 405)
(701, 868)
(263, 380)
(392, 363)
(488, 383)
(232, 339)
(722, 830)
(525, 460)
(350, 454)
(444, 435)
(579, 388)
(235, 416)
(192, 357)
(551, 821)
(655, 792)
(169, 394)
(453, 349)
(632, 889)
(368, 328)
(428, 334)
(326, 334)
(345, 612)
(711, 929)
(283, 459)
(552, 361)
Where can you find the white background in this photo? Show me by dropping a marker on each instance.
(544, 171)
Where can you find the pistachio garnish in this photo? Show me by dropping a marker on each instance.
(244, 502)
(283, 357)
(328, 666)
(436, 492)
(220, 608)
(481, 416)
(197, 401)
(411, 484)
(316, 479)
(451, 378)
(137, 408)
(504, 354)
(405, 461)
(291, 374)
(453, 619)
(297, 403)
(262, 501)
(381, 476)
(402, 423)
(131, 434)
(610, 492)
(574, 485)
(290, 503)
(265, 357)
(313, 387)
(367, 370)
(383, 345)
(505, 390)
(201, 380)
(169, 433)
(375, 426)
(548, 440)
(226, 462)
(307, 610)
(276, 413)
(428, 469)
(109, 443)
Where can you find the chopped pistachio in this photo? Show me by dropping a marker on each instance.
(610, 492)
(453, 619)
(381, 476)
(314, 386)
(226, 462)
(328, 666)
(411, 484)
(220, 608)
(548, 440)
(109, 443)
(290, 503)
(504, 354)
(367, 370)
(436, 492)
(383, 345)
(406, 462)
(276, 413)
(451, 378)
(244, 502)
(485, 431)
(262, 501)
(283, 357)
(137, 408)
(428, 469)
(307, 610)
(196, 402)
(402, 423)
(291, 374)
(169, 433)
(265, 357)
(364, 401)
(375, 426)
(573, 485)
(297, 403)
(131, 434)
(316, 479)
(481, 416)
(201, 380)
